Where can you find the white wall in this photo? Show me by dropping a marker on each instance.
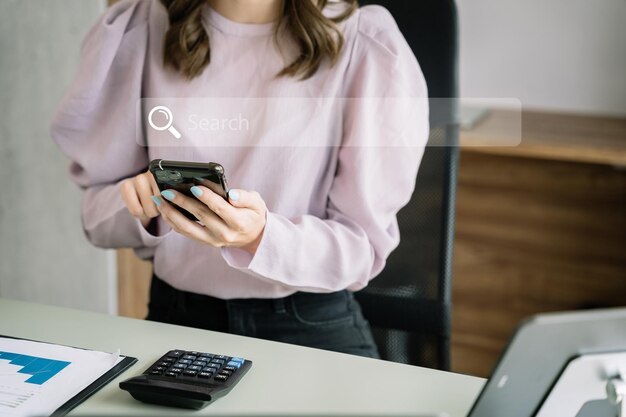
(44, 256)
(563, 55)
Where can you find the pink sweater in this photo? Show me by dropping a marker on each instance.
(331, 219)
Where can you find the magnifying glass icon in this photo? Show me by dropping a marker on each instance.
(167, 114)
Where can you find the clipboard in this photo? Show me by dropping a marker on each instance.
(92, 388)
(95, 386)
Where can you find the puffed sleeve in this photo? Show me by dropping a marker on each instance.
(95, 125)
(385, 131)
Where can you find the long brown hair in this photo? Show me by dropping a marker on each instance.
(187, 49)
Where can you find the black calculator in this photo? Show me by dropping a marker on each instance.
(187, 379)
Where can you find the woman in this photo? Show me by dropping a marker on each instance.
(305, 226)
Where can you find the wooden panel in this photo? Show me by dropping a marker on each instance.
(532, 236)
(560, 137)
(134, 277)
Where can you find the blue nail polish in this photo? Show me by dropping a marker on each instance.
(233, 195)
(168, 195)
(157, 200)
(196, 191)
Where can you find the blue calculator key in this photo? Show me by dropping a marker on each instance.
(241, 360)
(235, 364)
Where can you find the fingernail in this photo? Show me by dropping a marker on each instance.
(157, 200)
(196, 191)
(233, 195)
(168, 195)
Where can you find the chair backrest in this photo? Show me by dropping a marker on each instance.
(409, 303)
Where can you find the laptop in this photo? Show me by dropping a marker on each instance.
(581, 348)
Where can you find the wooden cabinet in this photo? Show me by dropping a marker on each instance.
(134, 277)
(540, 227)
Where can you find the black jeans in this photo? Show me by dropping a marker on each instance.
(326, 321)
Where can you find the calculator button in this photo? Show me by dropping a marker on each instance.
(221, 357)
(155, 372)
(164, 363)
(230, 368)
(175, 353)
(205, 375)
(221, 378)
(179, 365)
(185, 361)
(209, 369)
(227, 373)
(176, 370)
(240, 360)
(220, 361)
(206, 355)
(190, 373)
(159, 368)
(194, 353)
(235, 364)
(190, 357)
(194, 368)
(199, 363)
(171, 374)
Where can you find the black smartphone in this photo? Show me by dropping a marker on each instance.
(181, 176)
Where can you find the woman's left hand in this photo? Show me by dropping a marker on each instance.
(239, 223)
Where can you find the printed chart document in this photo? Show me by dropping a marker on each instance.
(37, 378)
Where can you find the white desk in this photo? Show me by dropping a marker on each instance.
(284, 379)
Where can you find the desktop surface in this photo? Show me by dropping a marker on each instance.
(285, 379)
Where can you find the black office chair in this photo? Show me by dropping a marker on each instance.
(409, 303)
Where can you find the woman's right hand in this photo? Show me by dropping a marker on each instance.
(137, 194)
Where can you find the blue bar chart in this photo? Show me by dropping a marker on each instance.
(40, 369)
